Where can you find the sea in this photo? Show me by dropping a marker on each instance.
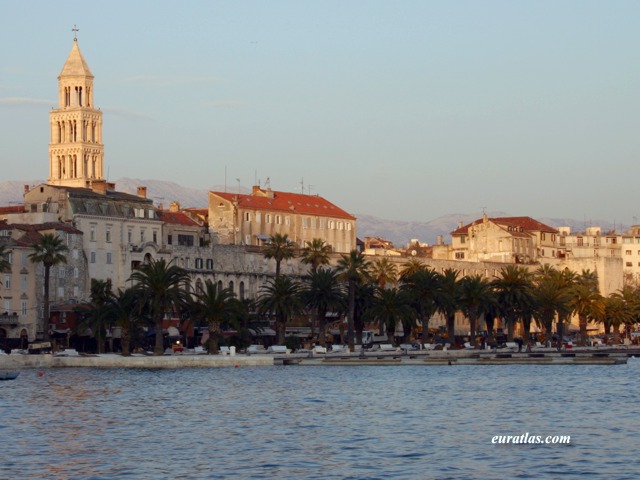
(322, 422)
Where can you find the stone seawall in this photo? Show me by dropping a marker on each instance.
(118, 361)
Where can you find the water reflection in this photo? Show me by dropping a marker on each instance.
(319, 422)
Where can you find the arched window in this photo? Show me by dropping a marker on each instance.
(241, 290)
(199, 286)
(231, 286)
(220, 286)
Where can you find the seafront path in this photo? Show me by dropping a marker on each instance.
(596, 356)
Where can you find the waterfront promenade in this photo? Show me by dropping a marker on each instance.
(589, 356)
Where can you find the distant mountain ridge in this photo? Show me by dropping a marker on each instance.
(397, 231)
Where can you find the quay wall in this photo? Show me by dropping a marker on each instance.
(118, 361)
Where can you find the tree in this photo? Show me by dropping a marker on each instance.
(124, 309)
(279, 297)
(409, 268)
(616, 313)
(447, 300)
(550, 297)
(514, 294)
(353, 268)
(391, 307)
(315, 253)
(280, 248)
(215, 307)
(161, 288)
(49, 250)
(476, 299)
(586, 302)
(422, 286)
(384, 272)
(322, 292)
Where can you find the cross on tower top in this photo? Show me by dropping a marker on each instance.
(75, 31)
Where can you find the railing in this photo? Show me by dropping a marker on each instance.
(9, 318)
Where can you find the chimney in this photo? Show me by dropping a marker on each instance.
(460, 224)
(26, 189)
(255, 190)
(174, 207)
(142, 192)
(270, 193)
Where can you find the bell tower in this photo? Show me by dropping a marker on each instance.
(76, 152)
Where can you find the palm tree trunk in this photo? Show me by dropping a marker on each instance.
(45, 313)
(472, 329)
(582, 320)
(511, 323)
(352, 312)
(451, 329)
(159, 347)
(425, 329)
(126, 342)
(214, 332)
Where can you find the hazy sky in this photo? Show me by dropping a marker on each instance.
(401, 109)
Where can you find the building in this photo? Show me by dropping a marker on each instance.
(22, 288)
(240, 219)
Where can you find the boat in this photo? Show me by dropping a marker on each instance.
(9, 375)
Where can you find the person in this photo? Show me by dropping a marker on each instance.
(528, 350)
(519, 342)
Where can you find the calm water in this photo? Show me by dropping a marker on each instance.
(320, 422)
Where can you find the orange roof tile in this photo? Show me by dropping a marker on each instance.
(287, 202)
(528, 224)
(176, 218)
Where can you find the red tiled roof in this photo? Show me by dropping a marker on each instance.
(12, 209)
(528, 224)
(287, 202)
(176, 218)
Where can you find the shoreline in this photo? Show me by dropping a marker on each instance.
(588, 356)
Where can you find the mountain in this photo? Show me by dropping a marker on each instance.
(396, 231)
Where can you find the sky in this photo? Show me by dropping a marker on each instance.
(406, 110)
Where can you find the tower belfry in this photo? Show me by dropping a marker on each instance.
(76, 151)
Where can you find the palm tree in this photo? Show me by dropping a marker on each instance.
(161, 288)
(447, 300)
(365, 297)
(616, 313)
(412, 266)
(279, 297)
(353, 268)
(422, 287)
(315, 253)
(279, 248)
(384, 272)
(50, 251)
(476, 298)
(124, 310)
(322, 292)
(550, 297)
(587, 302)
(96, 313)
(390, 307)
(215, 307)
(514, 293)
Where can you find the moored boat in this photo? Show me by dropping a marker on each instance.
(9, 375)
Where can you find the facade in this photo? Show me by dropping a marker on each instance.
(505, 240)
(237, 219)
(76, 151)
(22, 287)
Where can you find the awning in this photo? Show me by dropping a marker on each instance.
(264, 238)
(265, 332)
(173, 332)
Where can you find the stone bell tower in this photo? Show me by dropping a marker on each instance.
(76, 152)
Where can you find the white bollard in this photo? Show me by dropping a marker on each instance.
(232, 351)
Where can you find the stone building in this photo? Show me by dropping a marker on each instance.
(22, 288)
(238, 219)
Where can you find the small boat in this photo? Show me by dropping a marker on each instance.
(9, 375)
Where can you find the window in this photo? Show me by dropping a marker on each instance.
(7, 304)
(92, 257)
(141, 236)
(258, 217)
(25, 259)
(108, 235)
(109, 258)
(459, 255)
(348, 226)
(60, 272)
(60, 292)
(75, 254)
(580, 241)
(9, 257)
(267, 218)
(198, 263)
(287, 220)
(76, 292)
(185, 240)
(92, 233)
(463, 239)
(7, 282)
(629, 264)
(129, 236)
(155, 236)
(247, 239)
(151, 214)
(209, 264)
(247, 216)
(169, 239)
(278, 219)
(23, 307)
(187, 263)
(627, 252)
(23, 283)
(76, 273)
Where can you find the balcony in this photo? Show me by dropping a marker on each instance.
(9, 319)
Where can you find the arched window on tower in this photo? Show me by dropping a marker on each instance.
(75, 131)
(241, 290)
(59, 133)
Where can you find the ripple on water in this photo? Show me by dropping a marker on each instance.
(334, 422)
